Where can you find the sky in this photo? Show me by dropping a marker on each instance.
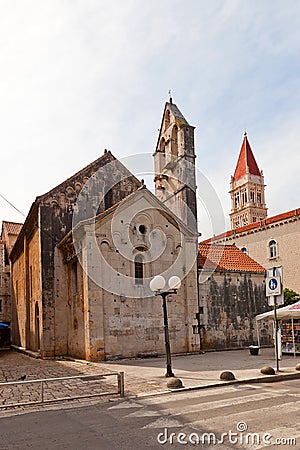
(79, 76)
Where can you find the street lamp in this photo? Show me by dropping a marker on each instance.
(157, 285)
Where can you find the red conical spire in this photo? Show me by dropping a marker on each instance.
(246, 162)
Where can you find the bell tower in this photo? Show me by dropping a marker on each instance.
(174, 165)
(247, 190)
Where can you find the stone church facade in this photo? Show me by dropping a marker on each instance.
(111, 312)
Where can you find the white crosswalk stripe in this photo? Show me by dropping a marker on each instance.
(220, 411)
(125, 405)
(223, 403)
(144, 413)
(246, 415)
(164, 422)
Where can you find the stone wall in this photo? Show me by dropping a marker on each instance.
(5, 297)
(27, 294)
(229, 302)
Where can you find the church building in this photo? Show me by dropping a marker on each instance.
(82, 263)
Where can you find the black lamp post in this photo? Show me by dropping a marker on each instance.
(157, 285)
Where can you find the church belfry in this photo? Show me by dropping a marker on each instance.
(247, 190)
(174, 165)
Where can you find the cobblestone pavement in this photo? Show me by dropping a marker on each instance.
(21, 368)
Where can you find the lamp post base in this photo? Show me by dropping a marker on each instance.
(169, 372)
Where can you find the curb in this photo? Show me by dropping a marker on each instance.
(263, 379)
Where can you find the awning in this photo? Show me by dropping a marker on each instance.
(286, 312)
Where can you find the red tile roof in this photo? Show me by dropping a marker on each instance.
(227, 257)
(246, 162)
(255, 225)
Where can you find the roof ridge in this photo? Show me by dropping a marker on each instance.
(107, 153)
(278, 217)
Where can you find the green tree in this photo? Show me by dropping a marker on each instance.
(290, 297)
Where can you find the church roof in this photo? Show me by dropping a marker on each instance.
(226, 257)
(246, 162)
(177, 113)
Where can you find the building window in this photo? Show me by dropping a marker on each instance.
(142, 229)
(174, 141)
(254, 219)
(138, 269)
(162, 145)
(244, 197)
(1, 304)
(108, 199)
(259, 198)
(237, 200)
(167, 119)
(272, 249)
(244, 250)
(252, 196)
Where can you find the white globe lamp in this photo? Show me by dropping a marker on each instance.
(174, 282)
(157, 283)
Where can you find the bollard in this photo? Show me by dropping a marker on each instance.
(121, 384)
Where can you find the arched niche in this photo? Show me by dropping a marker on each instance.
(174, 140)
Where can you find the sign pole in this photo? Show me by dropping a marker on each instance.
(276, 329)
(274, 292)
(276, 334)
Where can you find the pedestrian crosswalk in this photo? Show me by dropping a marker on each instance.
(257, 416)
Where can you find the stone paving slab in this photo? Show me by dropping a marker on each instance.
(15, 365)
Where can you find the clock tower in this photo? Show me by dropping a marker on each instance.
(247, 190)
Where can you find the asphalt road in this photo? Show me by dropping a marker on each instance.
(231, 417)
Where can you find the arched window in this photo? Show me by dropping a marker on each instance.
(174, 141)
(272, 249)
(244, 250)
(162, 145)
(138, 269)
(167, 119)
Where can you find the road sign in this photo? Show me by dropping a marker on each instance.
(273, 286)
(273, 298)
